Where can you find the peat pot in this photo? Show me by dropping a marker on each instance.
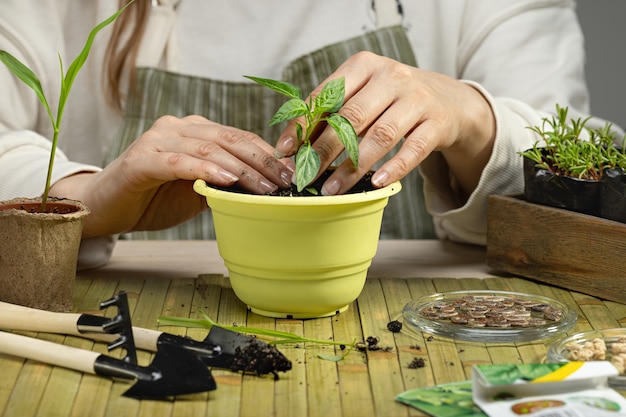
(297, 257)
(39, 251)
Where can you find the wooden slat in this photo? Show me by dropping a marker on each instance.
(384, 369)
(257, 393)
(355, 389)
(322, 378)
(290, 396)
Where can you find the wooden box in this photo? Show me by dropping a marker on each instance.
(559, 247)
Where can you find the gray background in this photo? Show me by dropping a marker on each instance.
(604, 25)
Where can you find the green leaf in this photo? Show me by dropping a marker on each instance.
(307, 166)
(332, 358)
(281, 87)
(299, 132)
(347, 135)
(330, 99)
(79, 61)
(290, 110)
(29, 78)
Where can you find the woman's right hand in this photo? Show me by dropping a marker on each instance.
(149, 186)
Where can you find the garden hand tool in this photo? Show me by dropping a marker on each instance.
(174, 371)
(221, 348)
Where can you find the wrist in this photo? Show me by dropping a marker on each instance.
(472, 149)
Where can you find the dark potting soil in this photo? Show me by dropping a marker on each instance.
(315, 189)
(260, 358)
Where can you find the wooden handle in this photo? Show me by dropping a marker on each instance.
(15, 317)
(48, 352)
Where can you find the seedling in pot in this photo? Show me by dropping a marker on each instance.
(29, 78)
(566, 153)
(322, 108)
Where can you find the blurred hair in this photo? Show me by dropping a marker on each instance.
(122, 49)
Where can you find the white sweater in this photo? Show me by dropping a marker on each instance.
(524, 55)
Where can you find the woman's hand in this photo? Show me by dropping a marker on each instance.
(387, 102)
(149, 186)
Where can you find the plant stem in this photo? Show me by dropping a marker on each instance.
(282, 337)
(55, 139)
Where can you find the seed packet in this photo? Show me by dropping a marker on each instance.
(445, 400)
(571, 389)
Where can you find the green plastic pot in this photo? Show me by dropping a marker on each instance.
(297, 257)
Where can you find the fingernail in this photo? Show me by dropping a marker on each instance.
(380, 179)
(283, 147)
(228, 176)
(331, 187)
(286, 176)
(268, 186)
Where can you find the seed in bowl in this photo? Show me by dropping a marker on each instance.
(493, 311)
(596, 350)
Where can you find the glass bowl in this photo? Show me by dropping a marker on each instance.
(489, 316)
(561, 350)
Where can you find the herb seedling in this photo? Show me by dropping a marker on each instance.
(322, 108)
(29, 78)
(567, 153)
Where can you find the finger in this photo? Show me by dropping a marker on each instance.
(418, 145)
(159, 160)
(378, 140)
(246, 146)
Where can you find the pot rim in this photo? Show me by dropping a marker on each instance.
(201, 187)
(11, 210)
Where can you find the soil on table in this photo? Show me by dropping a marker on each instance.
(260, 358)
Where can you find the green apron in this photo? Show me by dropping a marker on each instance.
(250, 107)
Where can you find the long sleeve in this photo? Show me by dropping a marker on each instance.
(524, 57)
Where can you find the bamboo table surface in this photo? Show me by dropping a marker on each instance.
(162, 278)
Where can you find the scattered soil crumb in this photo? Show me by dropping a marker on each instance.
(415, 347)
(430, 338)
(371, 344)
(417, 363)
(394, 326)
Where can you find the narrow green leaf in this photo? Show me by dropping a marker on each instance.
(281, 87)
(79, 61)
(29, 78)
(307, 166)
(347, 135)
(289, 110)
(330, 99)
